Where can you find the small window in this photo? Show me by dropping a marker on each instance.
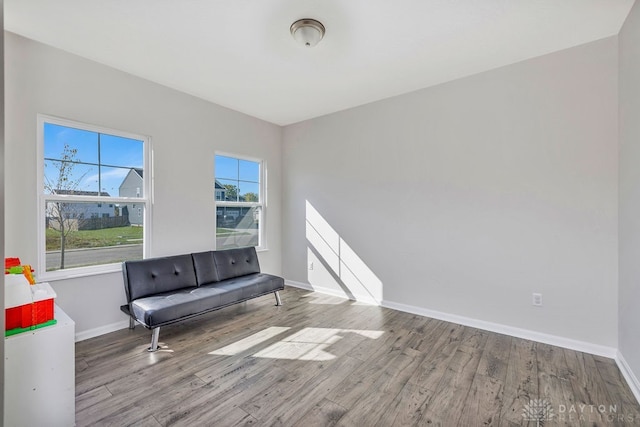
(239, 196)
(86, 178)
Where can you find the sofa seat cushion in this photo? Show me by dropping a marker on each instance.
(248, 286)
(169, 307)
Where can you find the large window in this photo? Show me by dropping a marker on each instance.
(239, 195)
(93, 198)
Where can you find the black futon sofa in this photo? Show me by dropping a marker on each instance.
(161, 291)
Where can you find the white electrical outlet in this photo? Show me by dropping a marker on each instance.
(311, 265)
(537, 300)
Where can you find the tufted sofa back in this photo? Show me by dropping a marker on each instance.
(157, 275)
(236, 262)
(205, 266)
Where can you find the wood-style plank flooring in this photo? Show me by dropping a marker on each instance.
(322, 361)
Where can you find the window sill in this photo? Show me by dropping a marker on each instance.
(75, 273)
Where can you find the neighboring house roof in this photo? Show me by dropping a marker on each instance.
(81, 193)
(219, 186)
(134, 171)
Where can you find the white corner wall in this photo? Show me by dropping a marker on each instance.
(629, 339)
(2, 180)
(185, 132)
(467, 197)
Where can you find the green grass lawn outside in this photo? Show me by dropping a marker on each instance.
(81, 239)
(95, 238)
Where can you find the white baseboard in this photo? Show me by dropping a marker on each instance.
(320, 289)
(300, 285)
(628, 374)
(499, 328)
(583, 346)
(91, 333)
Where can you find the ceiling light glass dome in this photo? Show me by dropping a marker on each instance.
(307, 32)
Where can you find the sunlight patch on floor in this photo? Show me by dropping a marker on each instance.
(306, 344)
(249, 342)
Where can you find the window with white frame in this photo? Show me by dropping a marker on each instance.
(239, 196)
(93, 198)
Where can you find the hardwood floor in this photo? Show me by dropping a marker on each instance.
(323, 361)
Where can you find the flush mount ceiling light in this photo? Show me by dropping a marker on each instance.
(307, 32)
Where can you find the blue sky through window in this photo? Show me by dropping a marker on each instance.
(116, 156)
(243, 174)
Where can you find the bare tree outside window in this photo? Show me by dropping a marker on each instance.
(64, 216)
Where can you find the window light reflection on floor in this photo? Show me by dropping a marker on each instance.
(306, 344)
(249, 342)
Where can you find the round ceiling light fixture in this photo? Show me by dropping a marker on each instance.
(307, 32)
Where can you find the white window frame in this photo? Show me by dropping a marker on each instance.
(262, 203)
(43, 198)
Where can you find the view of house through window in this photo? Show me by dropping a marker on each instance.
(239, 202)
(92, 201)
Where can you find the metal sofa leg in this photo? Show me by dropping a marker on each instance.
(132, 323)
(155, 334)
(278, 300)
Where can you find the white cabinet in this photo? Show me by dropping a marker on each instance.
(39, 372)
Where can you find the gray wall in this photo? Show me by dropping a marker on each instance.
(629, 341)
(185, 133)
(466, 197)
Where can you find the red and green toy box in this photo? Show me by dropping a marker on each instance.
(27, 307)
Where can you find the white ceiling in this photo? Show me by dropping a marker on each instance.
(240, 54)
